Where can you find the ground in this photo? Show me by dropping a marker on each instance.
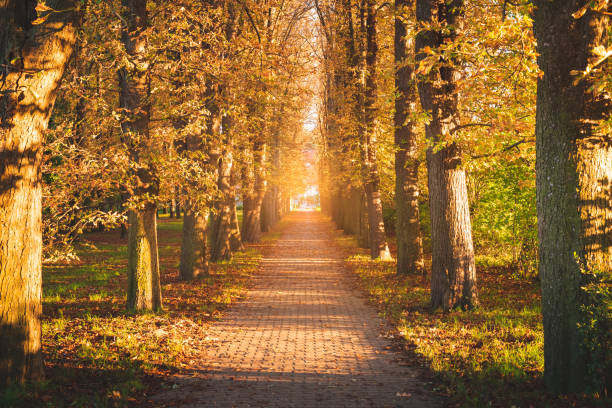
(303, 318)
(303, 337)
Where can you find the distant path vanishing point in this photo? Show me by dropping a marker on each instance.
(303, 337)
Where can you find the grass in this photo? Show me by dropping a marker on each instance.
(98, 355)
(488, 357)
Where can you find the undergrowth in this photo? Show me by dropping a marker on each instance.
(488, 357)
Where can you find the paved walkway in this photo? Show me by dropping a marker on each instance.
(303, 337)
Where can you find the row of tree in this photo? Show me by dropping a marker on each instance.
(192, 101)
(460, 80)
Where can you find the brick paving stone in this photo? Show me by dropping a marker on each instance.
(303, 337)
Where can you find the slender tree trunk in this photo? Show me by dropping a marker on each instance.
(24, 116)
(177, 206)
(377, 239)
(220, 247)
(453, 275)
(144, 290)
(407, 229)
(193, 249)
(172, 208)
(254, 194)
(235, 236)
(573, 184)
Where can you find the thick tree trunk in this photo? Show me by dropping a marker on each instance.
(193, 249)
(144, 288)
(254, 190)
(573, 181)
(453, 275)
(351, 213)
(144, 291)
(220, 246)
(251, 217)
(26, 102)
(407, 227)
(377, 239)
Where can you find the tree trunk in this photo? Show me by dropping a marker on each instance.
(268, 211)
(177, 208)
(235, 236)
(254, 194)
(193, 249)
(407, 229)
(377, 239)
(351, 212)
(144, 292)
(220, 246)
(172, 208)
(144, 288)
(573, 184)
(453, 274)
(24, 116)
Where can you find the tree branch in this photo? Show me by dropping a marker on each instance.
(505, 149)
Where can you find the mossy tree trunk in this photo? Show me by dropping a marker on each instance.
(24, 115)
(144, 290)
(573, 185)
(407, 228)
(453, 275)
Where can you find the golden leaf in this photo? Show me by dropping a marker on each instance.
(43, 7)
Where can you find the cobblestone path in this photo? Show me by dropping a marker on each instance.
(303, 337)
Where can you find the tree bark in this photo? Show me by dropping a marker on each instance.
(453, 275)
(377, 239)
(193, 249)
(144, 290)
(253, 195)
(235, 236)
(407, 229)
(220, 247)
(33, 59)
(268, 211)
(573, 185)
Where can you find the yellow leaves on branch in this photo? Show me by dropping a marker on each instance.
(602, 54)
(596, 5)
(41, 8)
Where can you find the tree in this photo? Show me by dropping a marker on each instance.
(573, 184)
(453, 275)
(371, 179)
(144, 288)
(254, 185)
(407, 230)
(34, 53)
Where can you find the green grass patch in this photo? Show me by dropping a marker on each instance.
(98, 355)
(488, 357)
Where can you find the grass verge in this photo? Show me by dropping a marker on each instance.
(98, 355)
(488, 357)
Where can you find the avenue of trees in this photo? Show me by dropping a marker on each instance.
(445, 129)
